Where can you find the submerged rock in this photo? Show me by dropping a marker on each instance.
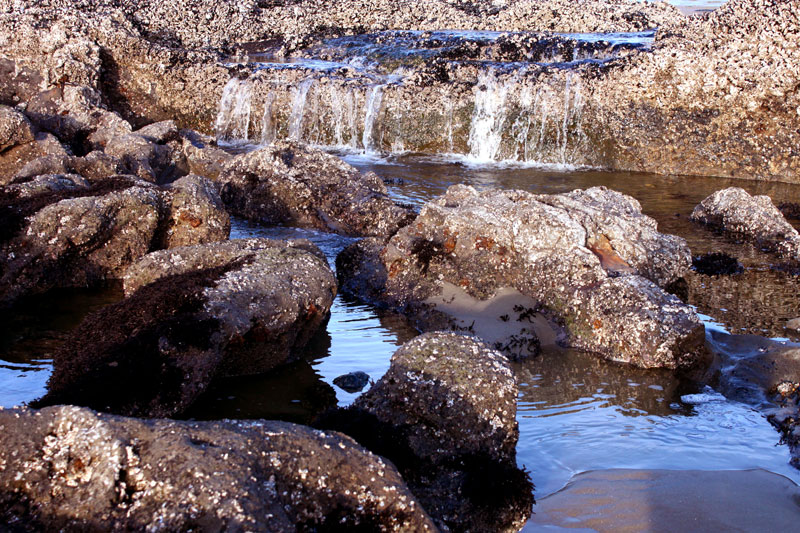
(594, 263)
(716, 264)
(754, 218)
(352, 382)
(68, 468)
(289, 183)
(193, 313)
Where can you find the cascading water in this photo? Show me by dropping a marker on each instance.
(233, 118)
(298, 110)
(372, 110)
(525, 112)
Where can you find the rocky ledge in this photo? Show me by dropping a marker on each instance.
(592, 263)
(194, 313)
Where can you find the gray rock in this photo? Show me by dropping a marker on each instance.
(194, 313)
(754, 218)
(352, 382)
(197, 215)
(97, 165)
(203, 157)
(290, 183)
(595, 265)
(445, 414)
(59, 232)
(160, 132)
(71, 469)
(15, 128)
(48, 164)
(140, 156)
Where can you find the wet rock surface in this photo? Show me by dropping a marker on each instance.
(72, 469)
(445, 413)
(289, 183)
(594, 263)
(197, 312)
(61, 231)
(752, 218)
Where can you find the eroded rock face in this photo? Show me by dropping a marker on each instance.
(69, 468)
(194, 313)
(445, 413)
(197, 215)
(754, 218)
(289, 183)
(595, 264)
(62, 231)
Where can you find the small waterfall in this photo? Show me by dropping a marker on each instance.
(528, 120)
(268, 130)
(298, 110)
(488, 118)
(372, 109)
(345, 122)
(233, 118)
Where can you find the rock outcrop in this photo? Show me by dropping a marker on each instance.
(445, 414)
(753, 218)
(194, 313)
(71, 469)
(596, 266)
(289, 183)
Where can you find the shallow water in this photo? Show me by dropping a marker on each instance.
(576, 413)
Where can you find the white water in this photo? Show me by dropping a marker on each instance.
(298, 110)
(372, 109)
(488, 118)
(233, 118)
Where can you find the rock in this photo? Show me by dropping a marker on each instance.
(289, 183)
(73, 235)
(197, 215)
(754, 218)
(445, 413)
(793, 324)
(202, 155)
(47, 164)
(193, 313)
(716, 264)
(15, 128)
(141, 157)
(69, 468)
(97, 165)
(595, 265)
(352, 382)
(160, 132)
(13, 162)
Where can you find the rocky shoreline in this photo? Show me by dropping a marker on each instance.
(108, 173)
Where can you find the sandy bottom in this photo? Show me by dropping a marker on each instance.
(671, 501)
(505, 320)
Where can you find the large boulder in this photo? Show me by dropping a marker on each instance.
(290, 183)
(71, 469)
(445, 414)
(197, 214)
(753, 218)
(44, 154)
(194, 313)
(62, 231)
(593, 264)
